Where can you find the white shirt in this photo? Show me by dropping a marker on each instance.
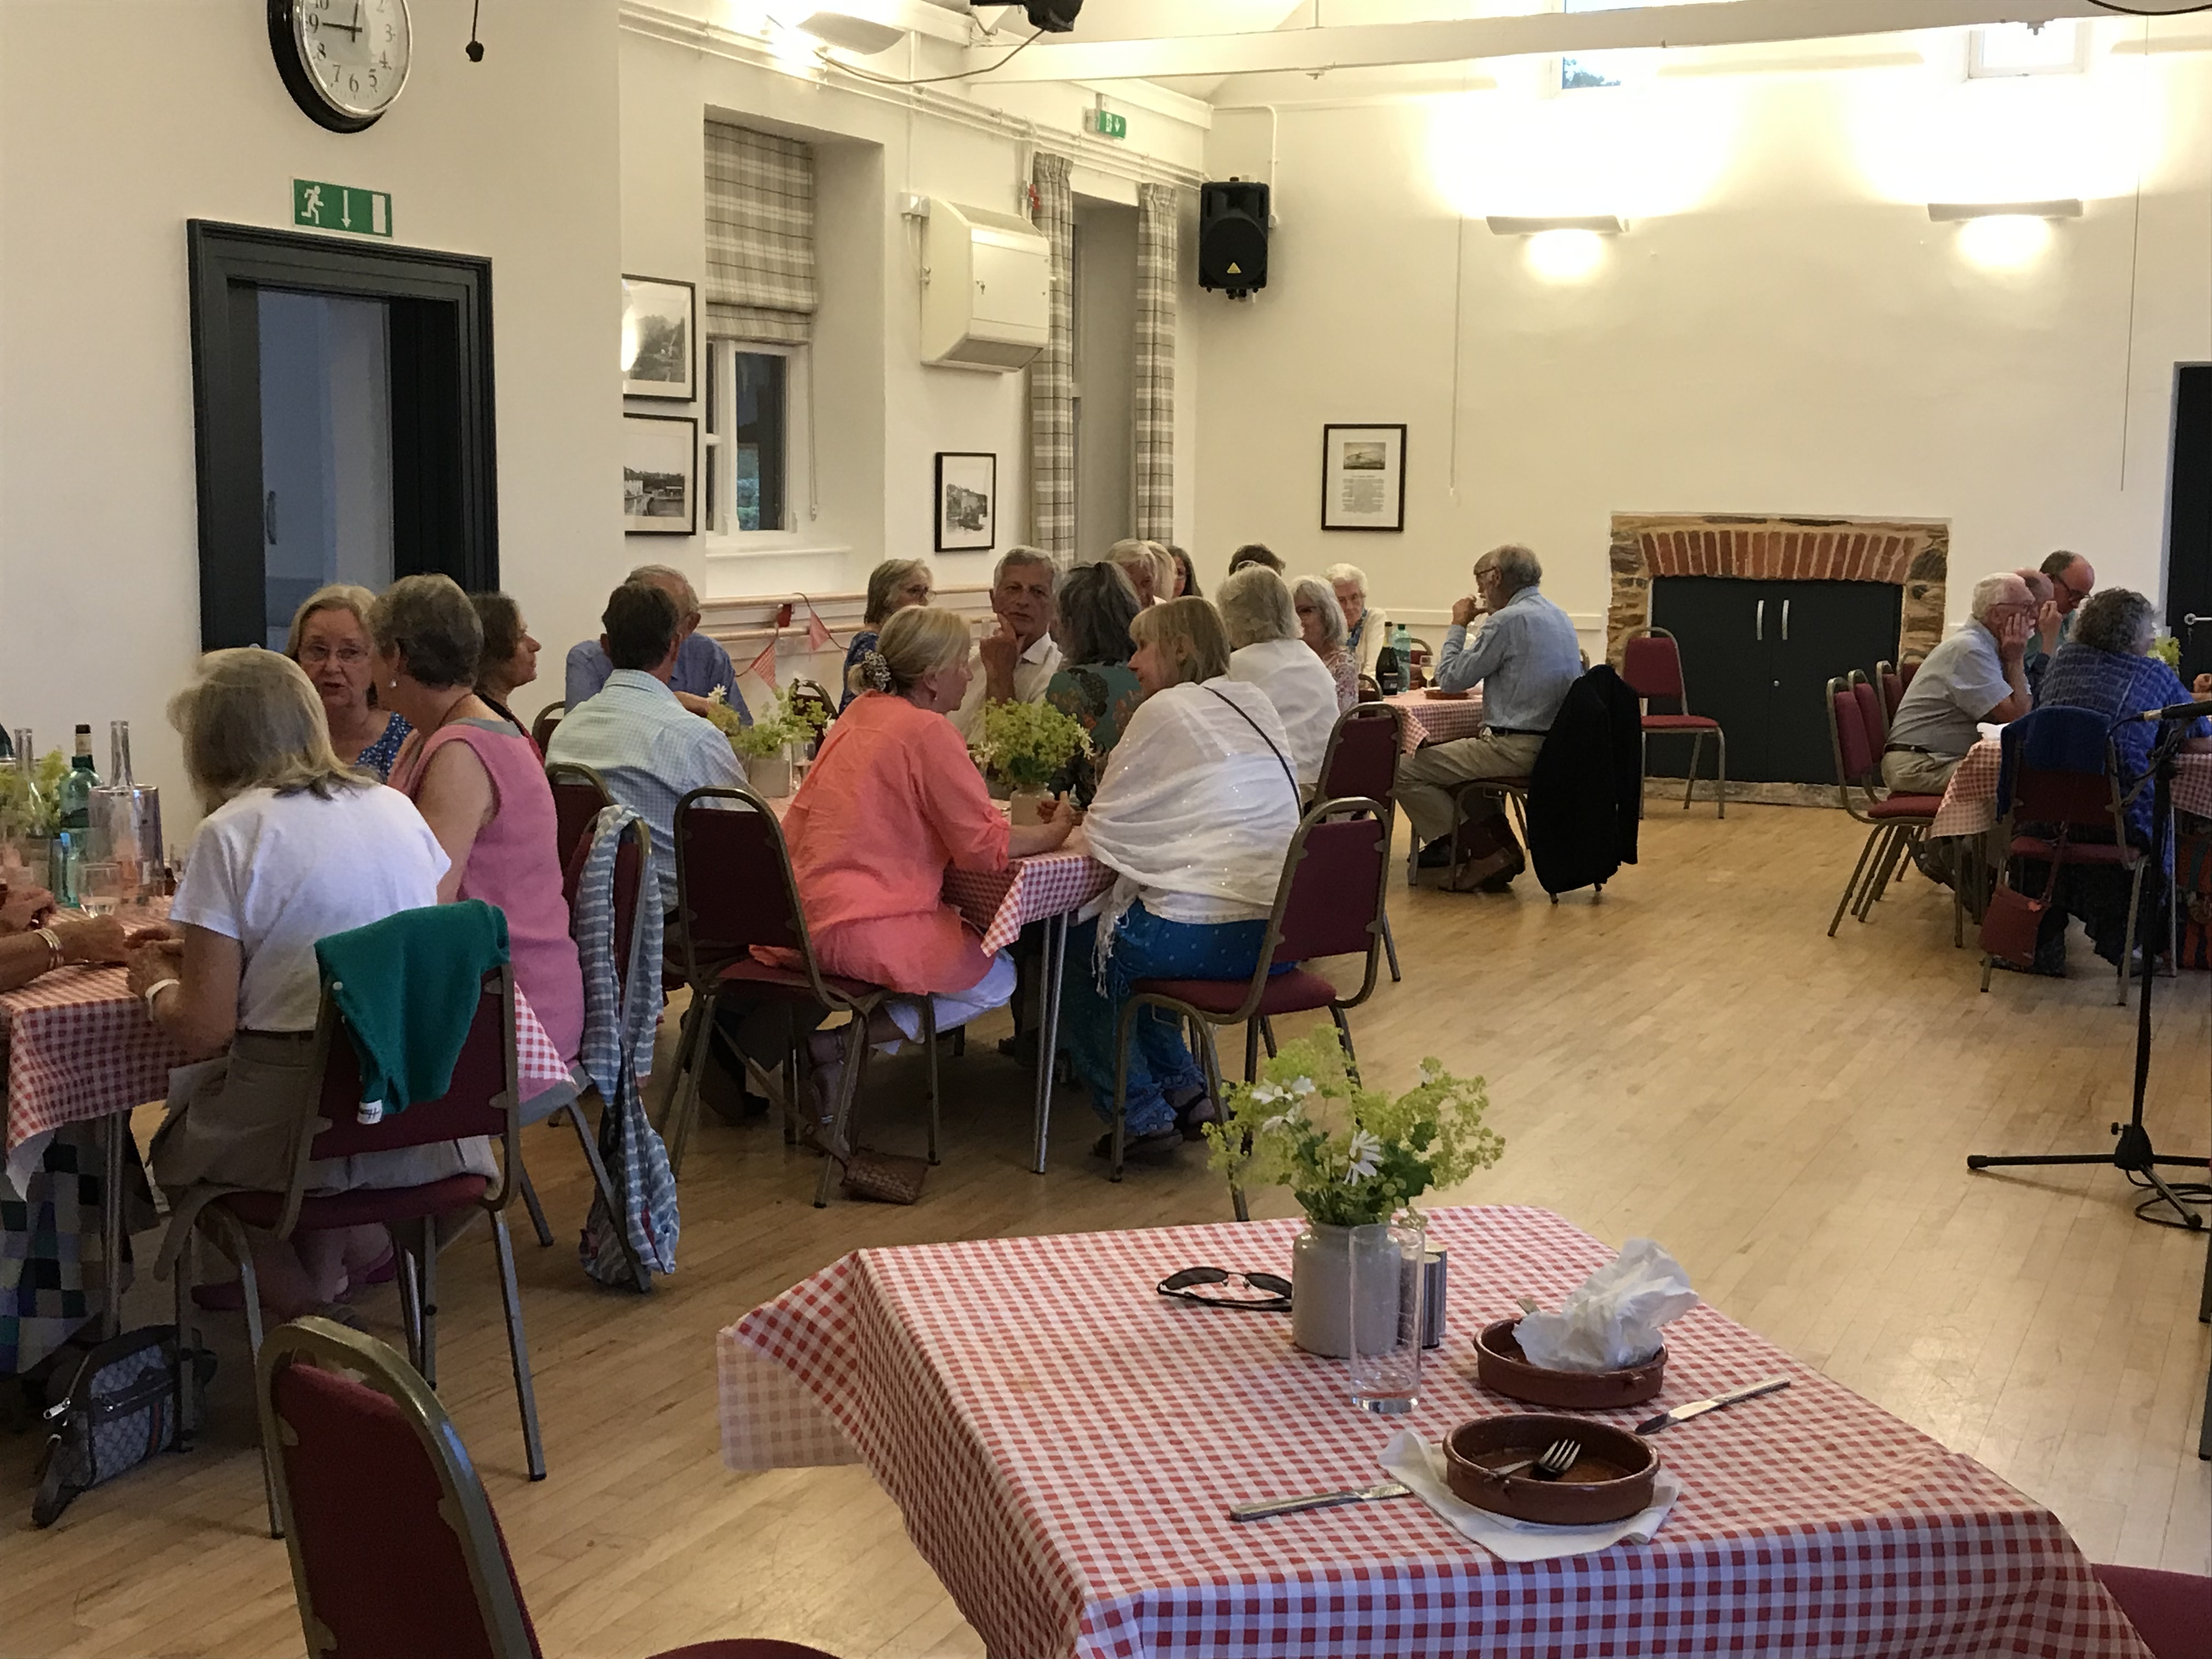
(1033, 671)
(1304, 692)
(276, 872)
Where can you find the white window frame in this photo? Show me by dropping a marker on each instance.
(2077, 63)
(797, 532)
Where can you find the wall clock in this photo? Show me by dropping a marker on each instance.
(342, 61)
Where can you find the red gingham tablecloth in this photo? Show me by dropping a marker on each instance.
(1439, 720)
(1970, 805)
(1063, 1442)
(80, 1047)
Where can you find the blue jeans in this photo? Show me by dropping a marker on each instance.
(1146, 946)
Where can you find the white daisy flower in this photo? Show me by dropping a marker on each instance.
(1366, 1156)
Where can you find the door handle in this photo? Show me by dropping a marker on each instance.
(268, 517)
(1759, 628)
(1785, 622)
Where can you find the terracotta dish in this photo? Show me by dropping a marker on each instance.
(1500, 1366)
(1440, 695)
(1611, 1481)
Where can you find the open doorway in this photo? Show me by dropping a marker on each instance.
(2189, 520)
(344, 421)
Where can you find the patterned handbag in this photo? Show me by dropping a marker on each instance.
(118, 1409)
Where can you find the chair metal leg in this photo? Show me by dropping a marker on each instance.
(1124, 1028)
(537, 1210)
(1390, 949)
(1643, 769)
(410, 1291)
(929, 1042)
(426, 1257)
(188, 1340)
(839, 1147)
(1720, 783)
(1350, 1054)
(1697, 754)
(1900, 841)
(1857, 870)
(1251, 1050)
(250, 1283)
(1209, 1060)
(686, 1030)
(603, 1184)
(1267, 1034)
(518, 1350)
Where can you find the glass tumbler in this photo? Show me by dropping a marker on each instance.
(1386, 1317)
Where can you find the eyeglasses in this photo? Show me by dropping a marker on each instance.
(346, 656)
(1274, 1293)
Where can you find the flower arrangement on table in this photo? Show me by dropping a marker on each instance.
(1353, 1157)
(1030, 746)
(29, 812)
(787, 720)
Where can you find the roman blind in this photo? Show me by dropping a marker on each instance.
(760, 235)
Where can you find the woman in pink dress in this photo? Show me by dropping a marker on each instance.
(478, 783)
(892, 802)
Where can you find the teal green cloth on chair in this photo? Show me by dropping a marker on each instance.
(408, 987)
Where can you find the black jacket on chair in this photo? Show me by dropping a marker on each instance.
(1584, 789)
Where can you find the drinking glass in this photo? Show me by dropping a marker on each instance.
(1386, 1317)
(100, 886)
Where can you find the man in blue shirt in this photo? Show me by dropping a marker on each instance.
(702, 665)
(1524, 659)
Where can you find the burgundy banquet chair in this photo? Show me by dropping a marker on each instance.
(395, 1551)
(1652, 663)
(1362, 759)
(1893, 823)
(579, 793)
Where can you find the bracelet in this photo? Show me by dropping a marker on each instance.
(155, 990)
(56, 954)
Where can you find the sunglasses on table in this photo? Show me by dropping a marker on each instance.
(1272, 1292)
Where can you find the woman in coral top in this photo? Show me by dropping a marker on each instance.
(892, 802)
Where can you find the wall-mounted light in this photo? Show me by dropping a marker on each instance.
(1562, 248)
(2003, 235)
(863, 36)
(1602, 224)
(1944, 212)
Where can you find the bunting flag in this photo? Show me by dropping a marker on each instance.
(764, 664)
(817, 632)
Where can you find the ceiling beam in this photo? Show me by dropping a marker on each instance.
(1311, 51)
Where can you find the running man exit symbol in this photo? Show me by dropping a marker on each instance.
(340, 207)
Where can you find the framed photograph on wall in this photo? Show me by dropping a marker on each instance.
(1362, 477)
(660, 475)
(659, 328)
(966, 502)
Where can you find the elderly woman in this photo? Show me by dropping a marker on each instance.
(479, 784)
(1186, 578)
(1265, 650)
(1092, 609)
(296, 845)
(1135, 560)
(893, 585)
(1349, 582)
(509, 658)
(1320, 625)
(1194, 815)
(2106, 666)
(329, 639)
(892, 802)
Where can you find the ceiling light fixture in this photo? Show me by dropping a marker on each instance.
(863, 36)
(1604, 224)
(1951, 212)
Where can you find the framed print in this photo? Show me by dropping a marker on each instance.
(660, 475)
(659, 326)
(1362, 477)
(966, 502)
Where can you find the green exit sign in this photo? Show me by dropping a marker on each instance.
(340, 207)
(1107, 124)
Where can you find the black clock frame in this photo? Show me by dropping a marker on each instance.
(284, 46)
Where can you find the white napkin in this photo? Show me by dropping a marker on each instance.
(1421, 1467)
(1612, 1321)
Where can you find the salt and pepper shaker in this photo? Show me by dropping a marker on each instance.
(1432, 1298)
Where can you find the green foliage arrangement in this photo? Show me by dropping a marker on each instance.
(1350, 1156)
(784, 722)
(2167, 650)
(23, 813)
(1027, 745)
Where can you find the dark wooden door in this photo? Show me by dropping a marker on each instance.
(2189, 520)
(1720, 625)
(1823, 629)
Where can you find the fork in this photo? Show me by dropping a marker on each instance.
(1553, 1461)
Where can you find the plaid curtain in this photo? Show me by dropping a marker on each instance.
(1052, 387)
(760, 235)
(1156, 342)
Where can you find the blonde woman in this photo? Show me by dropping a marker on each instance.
(1193, 814)
(329, 639)
(1320, 625)
(893, 585)
(1149, 567)
(1261, 619)
(296, 845)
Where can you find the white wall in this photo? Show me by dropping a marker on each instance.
(1783, 329)
(119, 122)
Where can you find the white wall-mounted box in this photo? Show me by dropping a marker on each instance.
(987, 287)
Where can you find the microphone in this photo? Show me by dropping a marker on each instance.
(2179, 711)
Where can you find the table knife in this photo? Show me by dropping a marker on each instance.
(1260, 1507)
(1699, 1407)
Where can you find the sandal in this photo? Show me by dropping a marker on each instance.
(1158, 1147)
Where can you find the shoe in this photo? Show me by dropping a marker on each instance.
(1022, 1047)
(1437, 854)
(2009, 967)
(1194, 1115)
(1156, 1147)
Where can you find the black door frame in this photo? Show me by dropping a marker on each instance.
(2189, 514)
(445, 506)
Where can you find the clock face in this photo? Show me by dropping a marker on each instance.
(355, 53)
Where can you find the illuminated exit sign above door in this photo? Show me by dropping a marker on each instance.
(340, 207)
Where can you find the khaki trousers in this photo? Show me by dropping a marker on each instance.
(1426, 776)
(1909, 774)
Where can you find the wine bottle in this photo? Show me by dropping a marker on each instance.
(77, 783)
(1389, 674)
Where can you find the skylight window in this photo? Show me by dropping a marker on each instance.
(2054, 48)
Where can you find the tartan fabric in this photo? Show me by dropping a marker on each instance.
(1437, 719)
(1156, 348)
(1063, 1444)
(1052, 377)
(617, 1048)
(1970, 804)
(760, 235)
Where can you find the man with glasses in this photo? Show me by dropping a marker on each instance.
(2072, 580)
(1975, 675)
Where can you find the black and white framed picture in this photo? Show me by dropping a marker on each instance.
(1362, 477)
(660, 475)
(966, 502)
(659, 327)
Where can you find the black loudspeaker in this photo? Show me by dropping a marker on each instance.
(1232, 236)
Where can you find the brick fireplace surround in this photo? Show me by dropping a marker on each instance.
(1913, 554)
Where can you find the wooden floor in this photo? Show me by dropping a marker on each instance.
(1689, 1059)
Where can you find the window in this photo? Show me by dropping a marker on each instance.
(1597, 69)
(2027, 49)
(755, 435)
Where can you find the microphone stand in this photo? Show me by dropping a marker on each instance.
(2132, 1153)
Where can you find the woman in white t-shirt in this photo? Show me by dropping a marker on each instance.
(294, 846)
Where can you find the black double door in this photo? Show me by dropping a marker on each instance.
(1756, 656)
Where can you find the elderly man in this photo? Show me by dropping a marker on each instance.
(1349, 582)
(1975, 675)
(1015, 663)
(702, 665)
(635, 734)
(1524, 659)
(1266, 649)
(2071, 582)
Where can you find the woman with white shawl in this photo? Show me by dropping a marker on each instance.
(1193, 814)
